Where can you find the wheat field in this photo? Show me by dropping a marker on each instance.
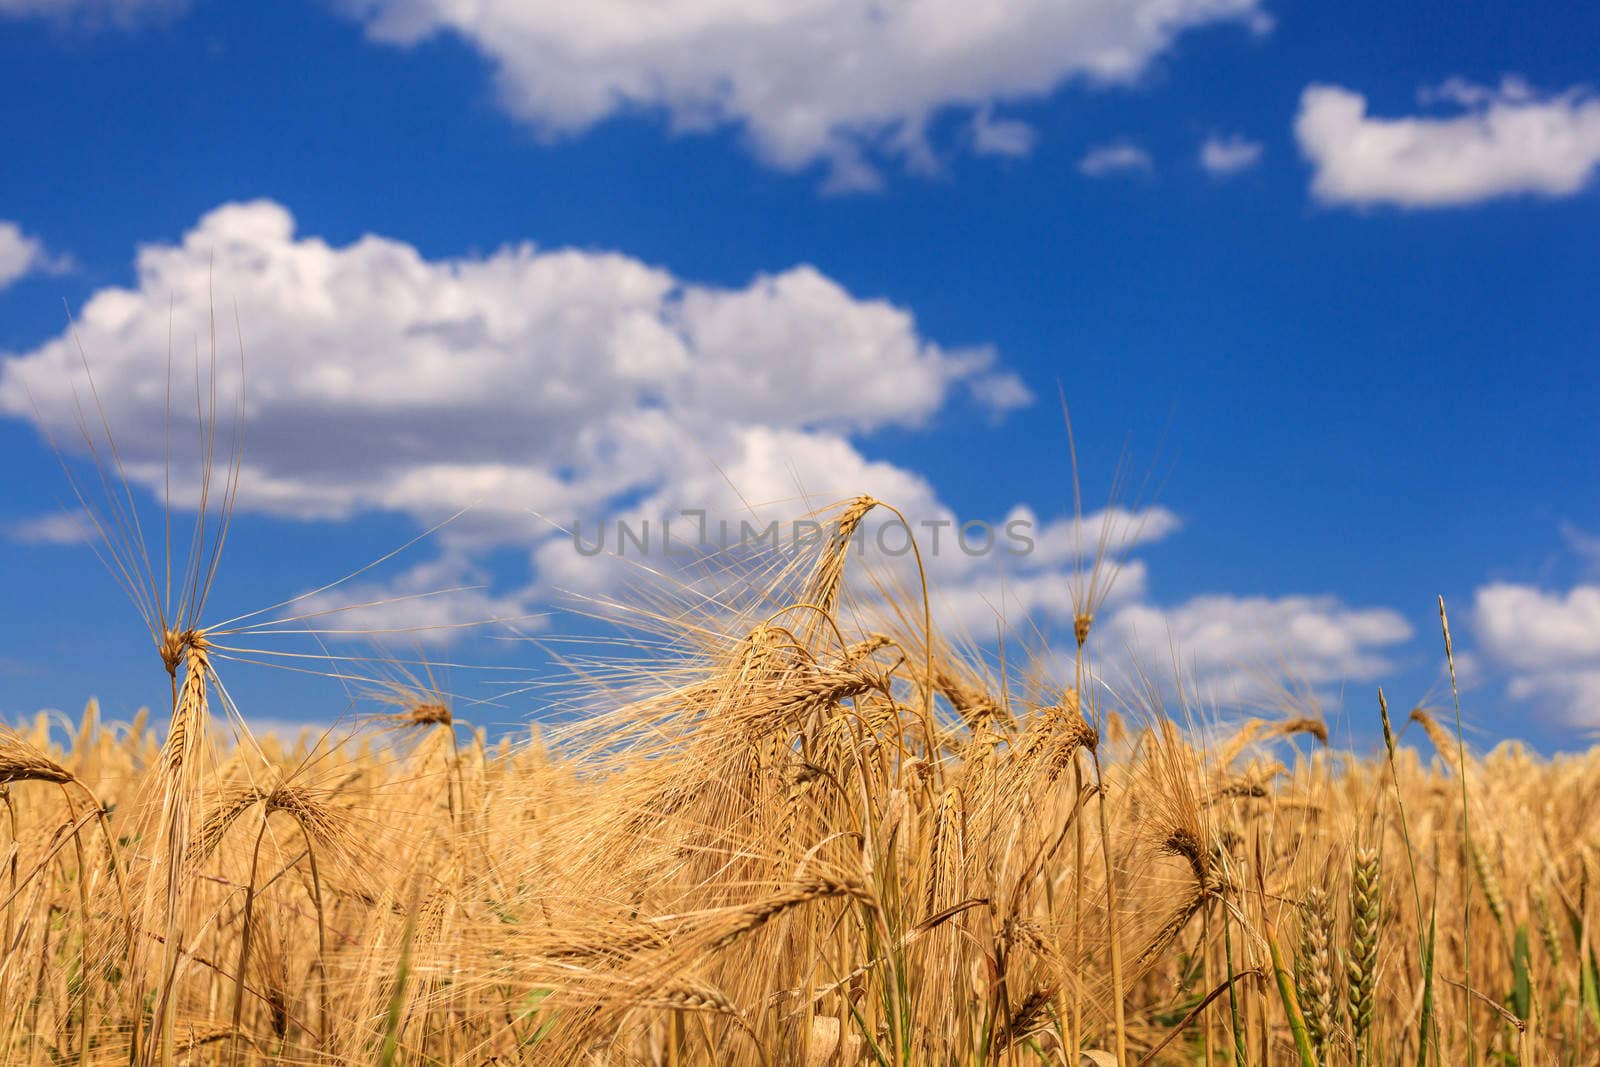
(808, 829)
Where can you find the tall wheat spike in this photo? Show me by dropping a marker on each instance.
(1361, 965)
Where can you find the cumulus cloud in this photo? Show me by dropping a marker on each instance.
(560, 379)
(1548, 642)
(1497, 142)
(1224, 156)
(1231, 649)
(1119, 157)
(532, 387)
(845, 82)
(21, 255)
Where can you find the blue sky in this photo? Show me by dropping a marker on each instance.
(579, 263)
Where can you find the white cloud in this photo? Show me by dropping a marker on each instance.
(55, 528)
(1118, 528)
(1000, 393)
(1583, 544)
(1230, 648)
(559, 379)
(1528, 628)
(1008, 568)
(847, 82)
(21, 255)
(428, 604)
(1548, 642)
(1501, 142)
(93, 13)
(1119, 157)
(1224, 156)
(575, 385)
(1000, 137)
(1576, 690)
